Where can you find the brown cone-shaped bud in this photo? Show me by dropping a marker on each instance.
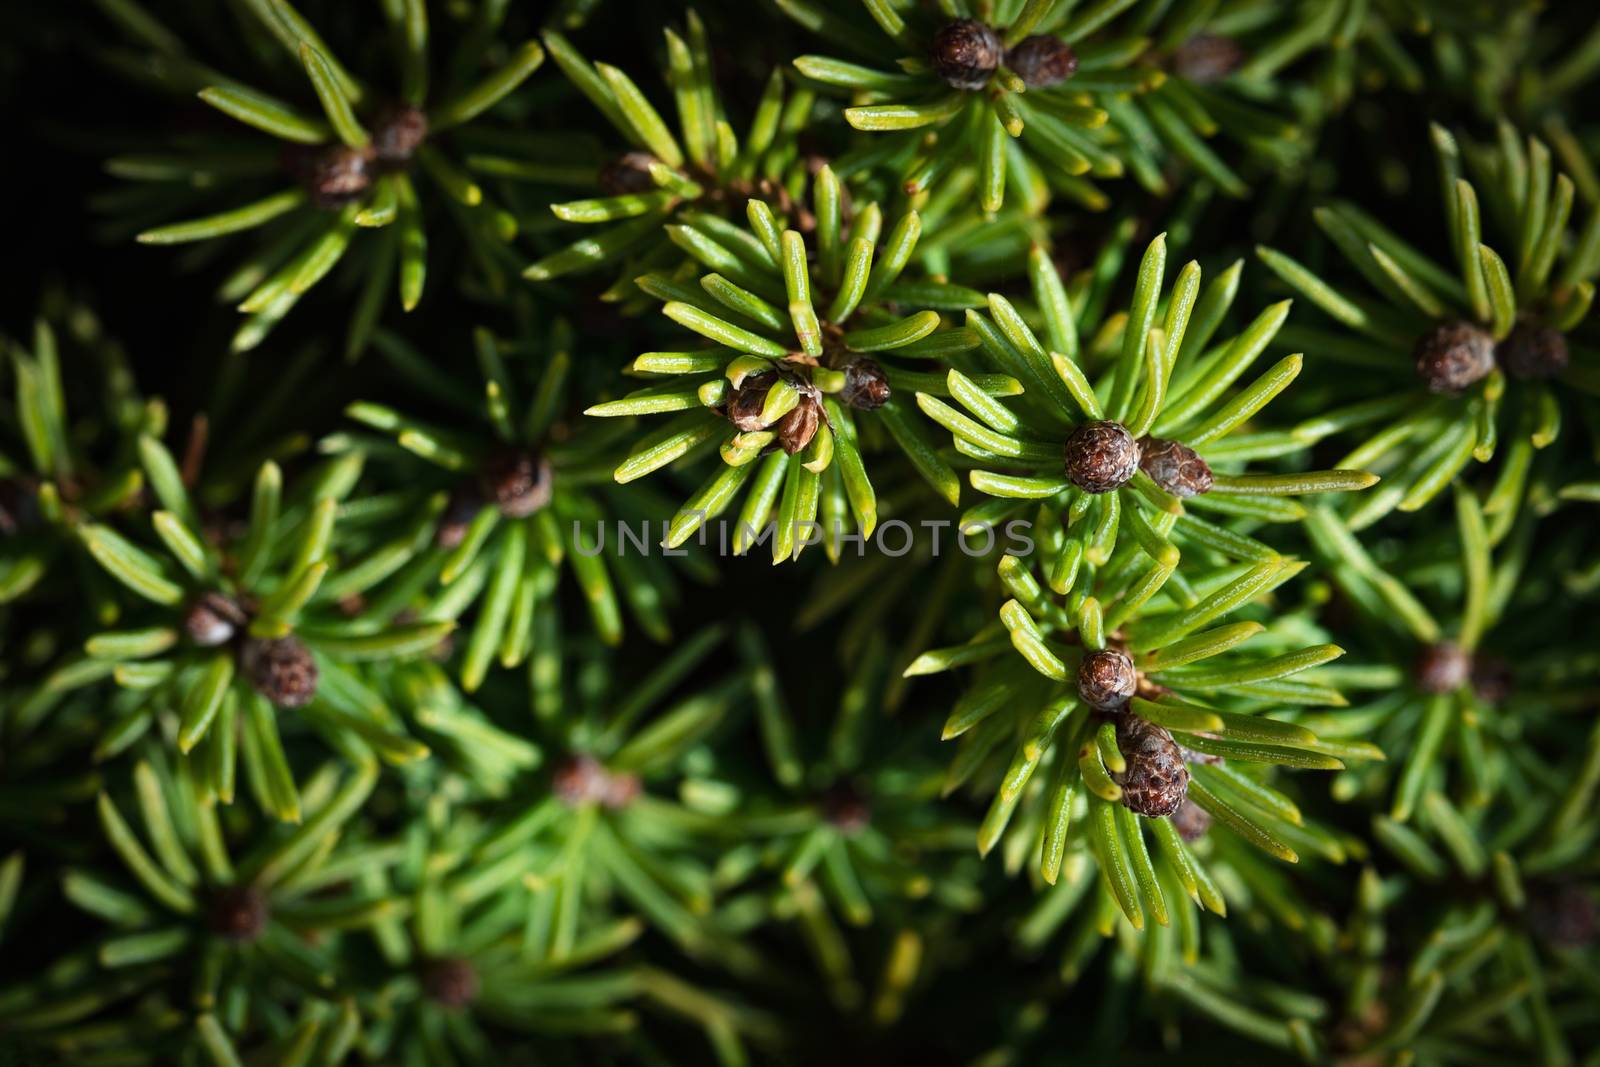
(1174, 466)
(212, 620)
(1156, 781)
(1190, 820)
(620, 789)
(1043, 60)
(519, 483)
(847, 808)
(1107, 679)
(397, 133)
(332, 174)
(1101, 456)
(1533, 351)
(966, 54)
(1453, 355)
(628, 173)
(1443, 667)
(796, 429)
(1565, 916)
(1206, 58)
(450, 982)
(866, 387)
(281, 669)
(745, 403)
(238, 913)
(579, 780)
(582, 779)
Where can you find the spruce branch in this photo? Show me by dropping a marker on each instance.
(352, 159)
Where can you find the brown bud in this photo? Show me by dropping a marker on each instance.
(1443, 667)
(1174, 466)
(796, 429)
(332, 174)
(745, 404)
(1043, 60)
(1107, 679)
(847, 808)
(212, 620)
(1565, 916)
(281, 669)
(1101, 456)
(1206, 58)
(866, 387)
(238, 913)
(965, 54)
(582, 779)
(628, 173)
(1156, 780)
(1533, 351)
(450, 982)
(579, 780)
(1453, 355)
(1190, 820)
(620, 789)
(519, 483)
(397, 133)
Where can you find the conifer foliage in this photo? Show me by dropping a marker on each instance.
(799, 531)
